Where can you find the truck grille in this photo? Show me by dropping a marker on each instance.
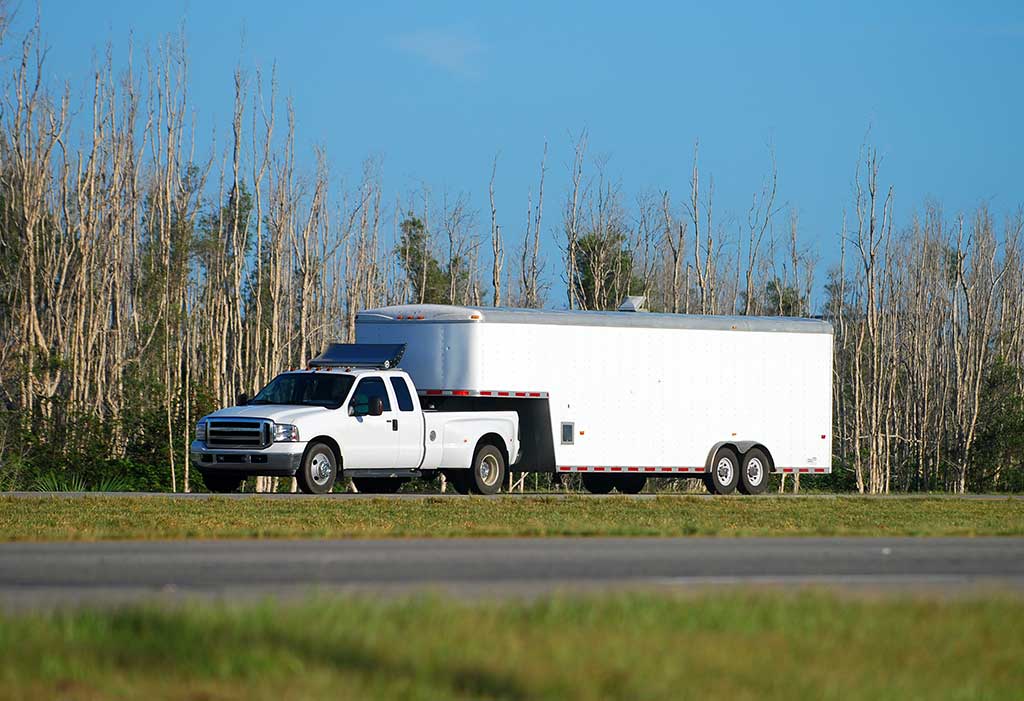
(238, 433)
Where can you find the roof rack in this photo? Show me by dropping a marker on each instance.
(382, 356)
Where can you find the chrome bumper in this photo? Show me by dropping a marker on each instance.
(276, 459)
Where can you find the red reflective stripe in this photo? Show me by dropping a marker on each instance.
(502, 394)
(805, 469)
(485, 394)
(632, 469)
(615, 469)
(520, 394)
(460, 392)
(598, 469)
(534, 394)
(819, 469)
(787, 469)
(650, 469)
(433, 391)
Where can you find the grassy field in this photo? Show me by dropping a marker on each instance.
(99, 518)
(637, 646)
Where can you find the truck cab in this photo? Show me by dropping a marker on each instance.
(353, 412)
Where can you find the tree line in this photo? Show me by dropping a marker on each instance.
(146, 280)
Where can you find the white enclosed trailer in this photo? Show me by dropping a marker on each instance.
(629, 394)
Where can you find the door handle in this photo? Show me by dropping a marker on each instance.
(394, 424)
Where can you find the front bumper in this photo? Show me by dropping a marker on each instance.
(278, 459)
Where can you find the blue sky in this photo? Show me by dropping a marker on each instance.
(436, 89)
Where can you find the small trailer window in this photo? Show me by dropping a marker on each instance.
(567, 432)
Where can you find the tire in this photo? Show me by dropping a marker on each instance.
(488, 470)
(597, 484)
(319, 469)
(378, 485)
(631, 484)
(725, 472)
(754, 472)
(221, 482)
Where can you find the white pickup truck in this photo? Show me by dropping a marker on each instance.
(353, 411)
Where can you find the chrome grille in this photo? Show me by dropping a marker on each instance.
(238, 433)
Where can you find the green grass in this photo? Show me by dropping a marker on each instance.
(99, 518)
(629, 646)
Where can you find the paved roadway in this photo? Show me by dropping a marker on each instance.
(451, 495)
(54, 574)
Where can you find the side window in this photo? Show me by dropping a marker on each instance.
(367, 389)
(402, 394)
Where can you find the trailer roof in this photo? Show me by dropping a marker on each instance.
(448, 314)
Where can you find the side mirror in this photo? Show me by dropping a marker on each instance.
(376, 406)
(241, 399)
(358, 406)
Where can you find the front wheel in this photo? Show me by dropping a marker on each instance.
(319, 469)
(724, 473)
(488, 470)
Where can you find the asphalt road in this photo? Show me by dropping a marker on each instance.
(55, 574)
(452, 495)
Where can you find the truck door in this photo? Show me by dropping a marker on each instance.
(410, 425)
(369, 441)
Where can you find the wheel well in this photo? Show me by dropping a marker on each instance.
(495, 440)
(741, 448)
(331, 443)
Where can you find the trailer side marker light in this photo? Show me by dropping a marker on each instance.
(823, 436)
(474, 316)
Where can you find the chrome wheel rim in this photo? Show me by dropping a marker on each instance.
(755, 472)
(489, 470)
(724, 470)
(320, 469)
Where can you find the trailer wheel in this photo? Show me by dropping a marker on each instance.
(221, 483)
(378, 485)
(631, 484)
(488, 470)
(319, 469)
(754, 473)
(724, 473)
(597, 484)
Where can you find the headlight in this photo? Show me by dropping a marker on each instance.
(201, 431)
(285, 433)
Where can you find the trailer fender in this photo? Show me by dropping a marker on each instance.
(740, 447)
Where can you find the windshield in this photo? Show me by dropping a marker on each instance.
(306, 388)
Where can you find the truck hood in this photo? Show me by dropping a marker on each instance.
(278, 413)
